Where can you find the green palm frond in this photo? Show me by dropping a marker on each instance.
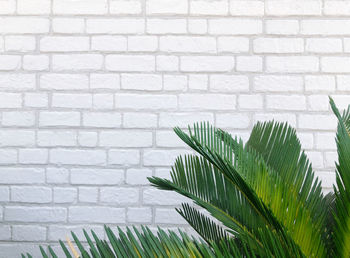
(342, 188)
(133, 243)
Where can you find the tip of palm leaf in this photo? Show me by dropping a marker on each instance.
(334, 107)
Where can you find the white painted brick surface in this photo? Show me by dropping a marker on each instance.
(91, 89)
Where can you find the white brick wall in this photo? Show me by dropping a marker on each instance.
(90, 89)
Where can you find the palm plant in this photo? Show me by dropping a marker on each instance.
(262, 197)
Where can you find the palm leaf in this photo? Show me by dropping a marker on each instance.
(342, 188)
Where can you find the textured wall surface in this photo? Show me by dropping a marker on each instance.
(90, 89)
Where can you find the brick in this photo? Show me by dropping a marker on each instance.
(58, 232)
(324, 27)
(31, 194)
(317, 83)
(64, 44)
(343, 82)
(5, 233)
(279, 117)
(335, 64)
(142, 43)
(33, 6)
(36, 100)
(28, 233)
(295, 7)
(317, 122)
(182, 120)
(247, 8)
(21, 175)
(166, 7)
(108, 43)
(103, 101)
(167, 63)
(154, 196)
(209, 7)
(20, 43)
(145, 101)
(250, 101)
(10, 62)
(54, 81)
(137, 176)
(96, 214)
(10, 100)
(56, 138)
(8, 156)
(139, 63)
(68, 25)
(207, 63)
(125, 7)
(104, 81)
(226, 120)
(278, 45)
(168, 139)
(77, 157)
(24, 25)
(328, 179)
(324, 45)
(234, 26)
(316, 158)
(306, 140)
(207, 101)
(123, 157)
(119, 196)
(198, 82)
(126, 139)
(64, 195)
(175, 82)
(282, 27)
(50, 118)
(115, 26)
(80, 7)
(57, 175)
(101, 119)
(197, 26)
(8, 250)
(276, 83)
(168, 216)
(187, 44)
(139, 120)
(337, 8)
(292, 64)
(67, 100)
(88, 194)
(35, 214)
(325, 141)
(33, 156)
(84, 176)
(139, 215)
(342, 101)
(15, 82)
(318, 102)
(166, 26)
(77, 62)
(229, 83)
(7, 7)
(144, 82)
(161, 157)
(283, 102)
(87, 139)
(35, 62)
(249, 63)
(25, 138)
